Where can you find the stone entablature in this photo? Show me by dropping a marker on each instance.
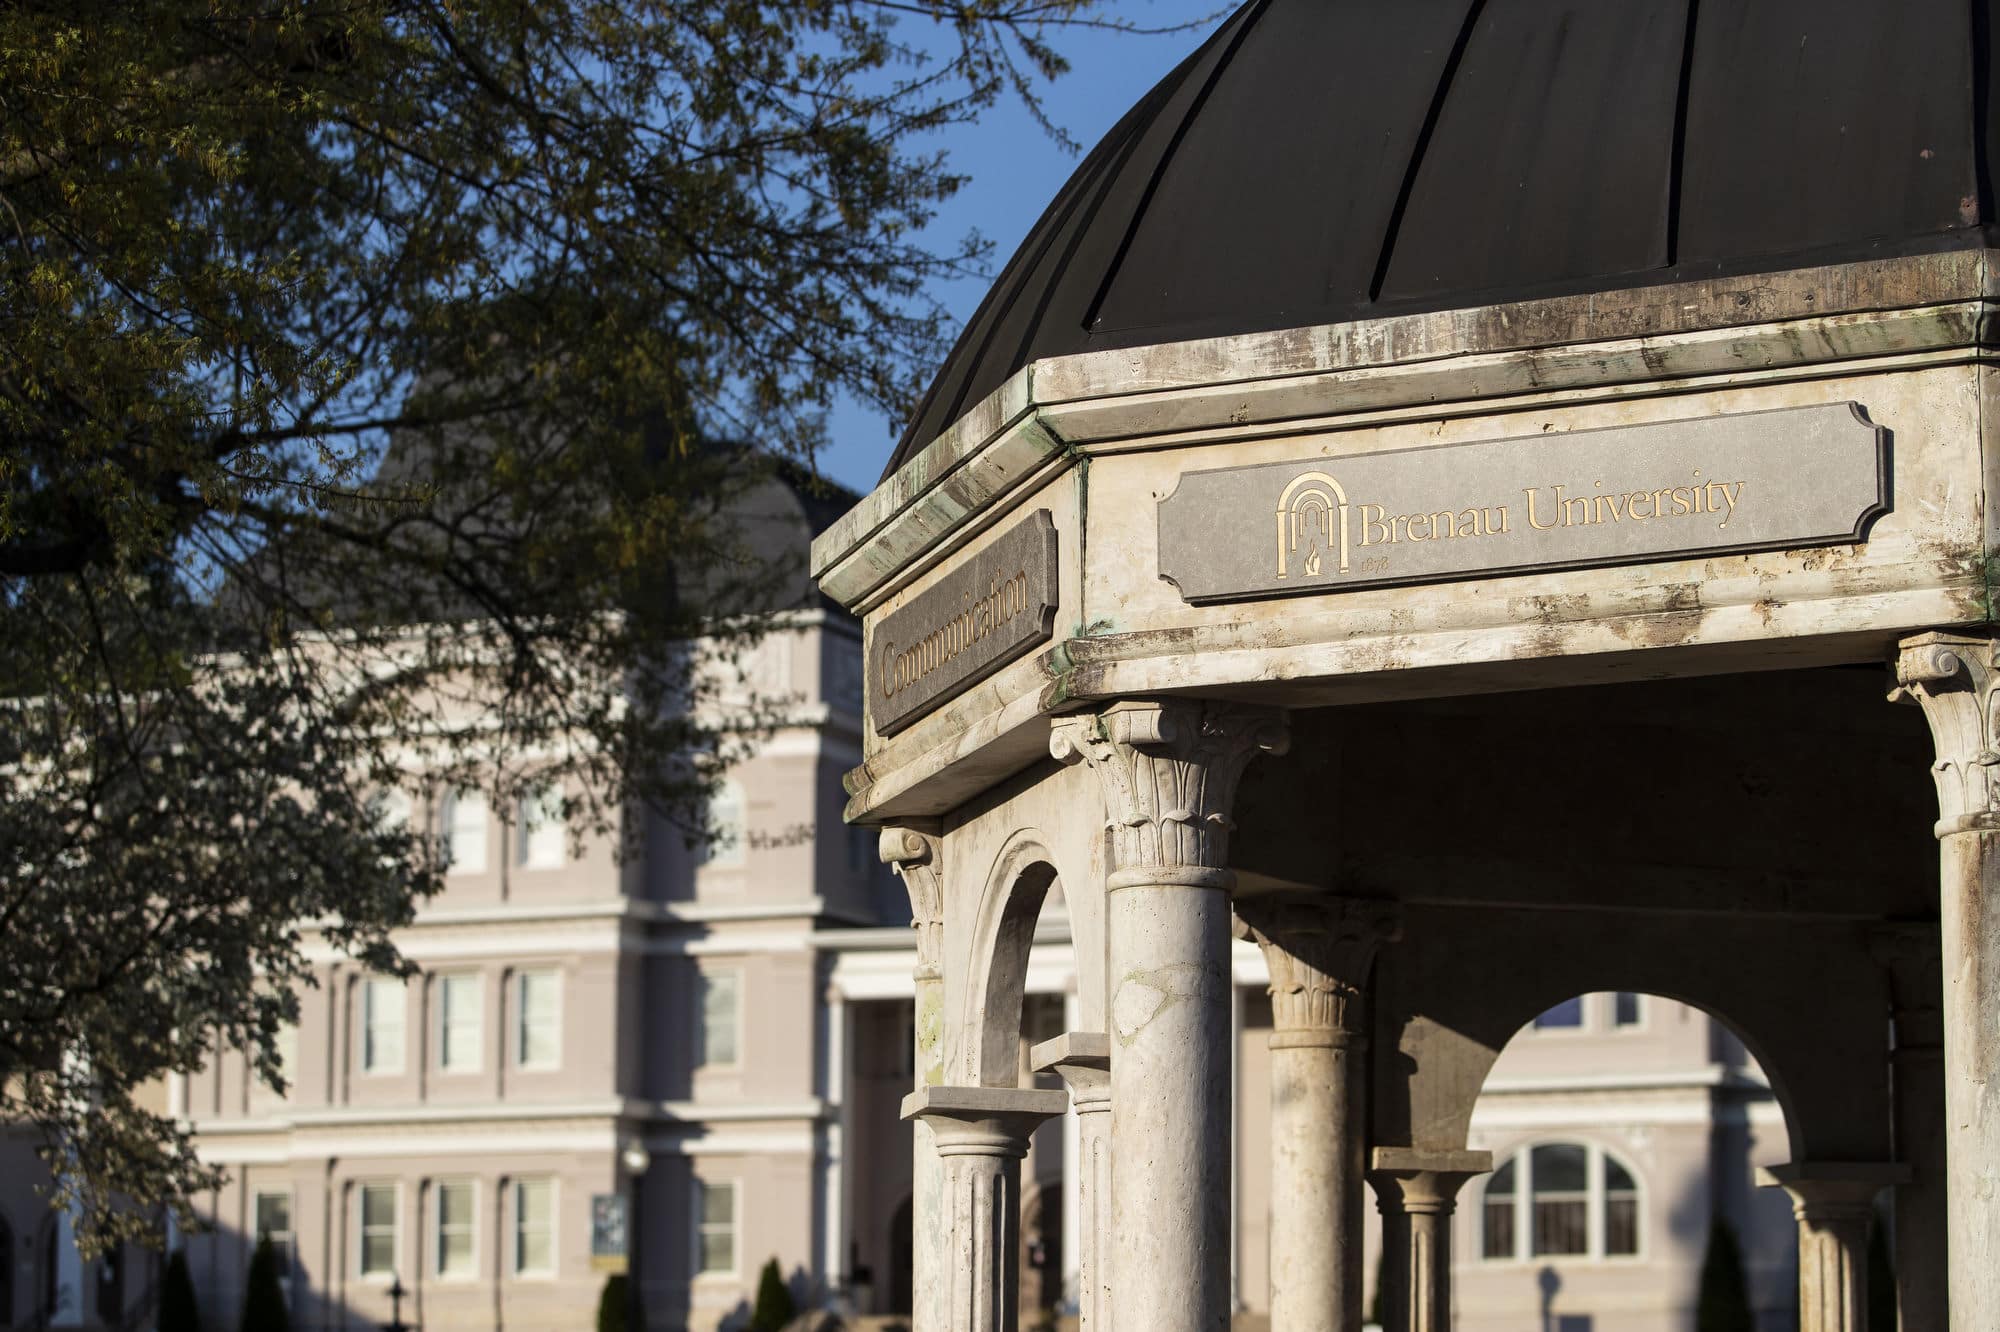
(1098, 439)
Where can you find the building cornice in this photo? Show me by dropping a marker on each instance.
(1752, 328)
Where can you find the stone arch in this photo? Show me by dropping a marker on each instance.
(1003, 931)
(1803, 997)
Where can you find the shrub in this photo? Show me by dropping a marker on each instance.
(1724, 1303)
(264, 1294)
(774, 1306)
(178, 1311)
(612, 1306)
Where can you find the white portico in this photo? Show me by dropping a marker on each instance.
(1491, 643)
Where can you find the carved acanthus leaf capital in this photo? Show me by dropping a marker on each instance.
(1319, 951)
(1954, 678)
(1168, 772)
(913, 852)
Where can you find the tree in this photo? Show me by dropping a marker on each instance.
(611, 1305)
(264, 1307)
(358, 368)
(774, 1307)
(1723, 1304)
(178, 1310)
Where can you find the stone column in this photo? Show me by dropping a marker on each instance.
(1319, 952)
(1953, 677)
(1909, 953)
(1416, 1191)
(981, 1134)
(1169, 773)
(914, 852)
(1835, 1204)
(1083, 1060)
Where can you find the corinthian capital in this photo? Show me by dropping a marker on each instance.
(1953, 677)
(1319, 951)
(1169, 772)
(913, 852)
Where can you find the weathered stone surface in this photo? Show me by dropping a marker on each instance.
(990, 610)
(1797, 476)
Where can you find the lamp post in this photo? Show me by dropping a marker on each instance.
(396, 1295)
(637, 1161)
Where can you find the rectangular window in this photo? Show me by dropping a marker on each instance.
(455, 1254)
(538, 1019)
(715, 1229)
(459, 1021)
(1625, 1011)
(541, 831)
(725, 826)
(465, 831)
(378, 1229)
(716, 1041)
(382, 1026)
(534, 1227)
(274, 1223)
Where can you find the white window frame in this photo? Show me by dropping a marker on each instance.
(1596, 1203)
(529, 853)
(703, 981)
(520, 1031)
(448, 831)
(698, 1228)
(369, 986)
(361, 1272)
(1644, 1019)
(729, 847)
(435, 1222)
(476, 1061)
(287, 1042)
(291, 1237)
(514, 1268)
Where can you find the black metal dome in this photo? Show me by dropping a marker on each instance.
(1325, 160)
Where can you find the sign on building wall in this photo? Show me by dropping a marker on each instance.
(607, 1232)
(1797, 476)
(980, 616)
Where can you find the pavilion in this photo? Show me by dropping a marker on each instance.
(1444, 492)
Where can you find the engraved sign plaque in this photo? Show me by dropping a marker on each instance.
(981, 616)
(1797, 476)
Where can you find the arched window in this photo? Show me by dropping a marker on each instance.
(1560, 1200)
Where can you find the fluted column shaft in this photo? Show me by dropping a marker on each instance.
(1083, 1060)
(1956, 679)
(980, 1136)
(1834, 1204)
(1416, 1192)
(1168, 773)
(1319, 952)
(915, 854)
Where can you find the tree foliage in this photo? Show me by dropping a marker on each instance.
(356, 359)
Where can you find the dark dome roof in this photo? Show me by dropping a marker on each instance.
(1325, 160)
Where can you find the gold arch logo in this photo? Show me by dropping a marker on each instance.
(1309, 512)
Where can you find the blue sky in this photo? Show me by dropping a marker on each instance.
(1015, 168)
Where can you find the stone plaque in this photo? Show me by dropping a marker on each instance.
(981, 616)
(1797, 476)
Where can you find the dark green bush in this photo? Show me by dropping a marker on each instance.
(1724, 1302)
(774, 1306)
(178, 1311)
(612, 1305)
(264, 1295)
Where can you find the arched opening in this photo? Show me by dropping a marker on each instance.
(1626, 1130)
(902, 1258)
